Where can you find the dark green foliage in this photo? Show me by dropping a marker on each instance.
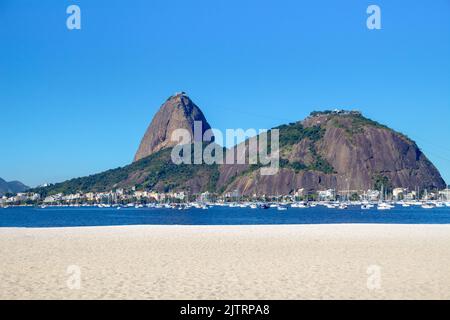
(143, 174)
(214, 178)
(382, 182)
(357, 123)
(320, 113)
(322, 165)
(298, 166)
(294, 133)
(354, 197)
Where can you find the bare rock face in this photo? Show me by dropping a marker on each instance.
(178, 112)
(337, 150)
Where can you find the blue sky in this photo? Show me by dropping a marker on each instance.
(73, 103)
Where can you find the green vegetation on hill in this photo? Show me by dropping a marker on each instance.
(356, 125)
(290, 135)
(146, 173)
(295, 132)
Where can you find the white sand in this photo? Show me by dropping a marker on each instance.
(232, 262)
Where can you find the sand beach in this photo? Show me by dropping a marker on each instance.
(227, 262)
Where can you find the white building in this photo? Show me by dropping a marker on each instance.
(299, 192)
(327, 195)
(399, 193)
(373, 195)
(54, 198)
(205, 196)
(445, 194)
(140, 194)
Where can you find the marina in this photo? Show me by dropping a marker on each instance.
(225, 214)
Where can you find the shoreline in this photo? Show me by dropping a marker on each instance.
(226, 226)
(327, 261)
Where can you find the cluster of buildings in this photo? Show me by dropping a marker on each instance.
(121, 196)
(20, 198)
(396, 194)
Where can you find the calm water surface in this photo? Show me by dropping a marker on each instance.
(73, 217)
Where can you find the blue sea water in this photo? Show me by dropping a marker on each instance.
(92, 216)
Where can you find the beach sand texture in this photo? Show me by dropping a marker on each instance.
(227, 262)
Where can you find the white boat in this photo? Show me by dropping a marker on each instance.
(253, 206)
(343, 206)
(384, 206)
(366, 207)
(447, 204)
(281, 208)
(427, 206)
(439, 205)
(302, 205)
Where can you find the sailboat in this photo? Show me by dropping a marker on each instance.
(366, 206)
(427, 206)
(383, 205)
(343, 206)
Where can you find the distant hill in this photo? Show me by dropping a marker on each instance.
(11, 187)
(331, 149)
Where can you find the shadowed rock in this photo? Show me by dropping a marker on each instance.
(178, 112)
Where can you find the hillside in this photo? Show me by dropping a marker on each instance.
(343, 151)
(155, 172)
(339, 150)
(11, 187)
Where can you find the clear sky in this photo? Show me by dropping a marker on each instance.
(74, 103)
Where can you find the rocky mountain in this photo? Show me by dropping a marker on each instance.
(178, 112)
(11, 187)
(333, 149)
(339, 150)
